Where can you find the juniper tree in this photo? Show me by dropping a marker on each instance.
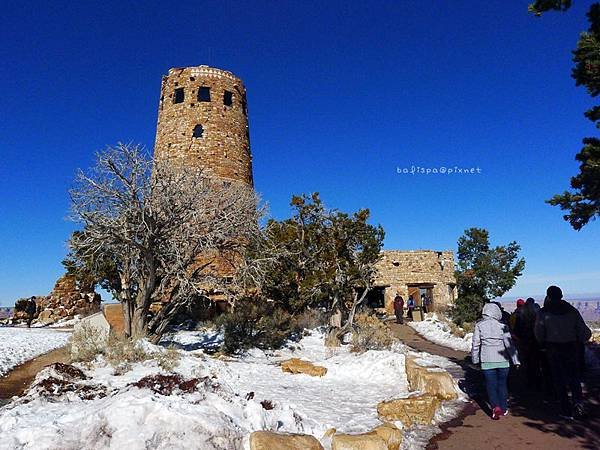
(483, 272)
(150, 230)
(328, 258)
(582, 204)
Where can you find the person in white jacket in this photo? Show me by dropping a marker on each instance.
(494, 348)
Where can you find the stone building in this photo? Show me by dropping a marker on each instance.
(203, 122)
(418, 274)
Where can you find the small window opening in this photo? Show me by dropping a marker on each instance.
(178, 96)
(228, 98)
(204, 94)
(198, 131)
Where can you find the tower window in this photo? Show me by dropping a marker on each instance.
(178, 96)
(198, 131)
(204, 94)
(228, 98)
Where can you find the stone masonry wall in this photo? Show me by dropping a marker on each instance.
(398, 269)
(223, 149)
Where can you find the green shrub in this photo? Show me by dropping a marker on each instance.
(255, 322)
(21, 304)
(467, 309)
(370, 334)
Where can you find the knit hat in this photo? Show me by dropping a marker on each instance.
(520, 302)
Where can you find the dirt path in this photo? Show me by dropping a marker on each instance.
(19, 378)
(532, 422)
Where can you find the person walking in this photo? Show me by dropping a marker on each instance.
(493, 347)
(410, 304)
(426, 303)
(399, 308)
(30, 309)
(561, 330)
(514, 317)
(529, 352)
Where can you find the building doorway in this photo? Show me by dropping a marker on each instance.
(422, 294)
(376, 298)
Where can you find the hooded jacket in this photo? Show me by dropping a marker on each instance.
(491, 339)
(558, 322)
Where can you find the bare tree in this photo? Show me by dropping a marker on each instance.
(152, 231)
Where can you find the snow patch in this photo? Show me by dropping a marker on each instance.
(437, 331)
(222, 415)
(18, 345)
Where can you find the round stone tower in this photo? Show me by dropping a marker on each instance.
(203, 121)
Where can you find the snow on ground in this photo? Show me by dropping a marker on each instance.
(66, 323)
(223, 413)
(438, 331)
(18, 345)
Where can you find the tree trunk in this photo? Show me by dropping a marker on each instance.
(138, 323)
(127, 316)
(161, 321)
(355, 303)
(127, 304)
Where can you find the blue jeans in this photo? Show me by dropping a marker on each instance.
(497, 388)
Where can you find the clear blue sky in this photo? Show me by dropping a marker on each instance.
(340, 94)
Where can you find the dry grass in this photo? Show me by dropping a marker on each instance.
(169, 359)
(123, 351)
(120, 351)
(86, 343)
(310, 319)
(370, 334)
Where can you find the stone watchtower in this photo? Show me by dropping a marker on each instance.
(203, 122)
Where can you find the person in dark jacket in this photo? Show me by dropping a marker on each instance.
(561, 330)
(529, 352)
(30, 309)
(410, 304)
(399, 308)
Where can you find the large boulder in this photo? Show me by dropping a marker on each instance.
(418, 409)
(383, 437)
(46, 317)
(366, 441)
(390, 434)
(269, 440)
(296, 365)
(430, 380)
